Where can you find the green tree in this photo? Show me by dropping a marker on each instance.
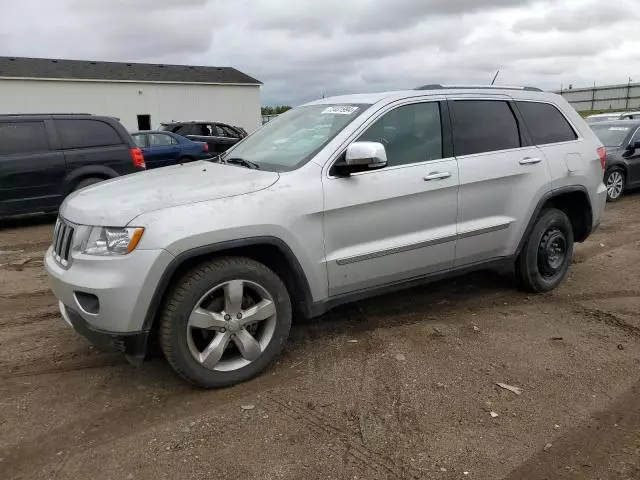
(277, 110)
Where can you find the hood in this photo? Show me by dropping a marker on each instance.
(116, 202)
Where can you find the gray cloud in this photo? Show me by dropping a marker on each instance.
(306, 48)
(582, 16)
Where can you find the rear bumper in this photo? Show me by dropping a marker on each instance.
(132, 344)
(598, 206)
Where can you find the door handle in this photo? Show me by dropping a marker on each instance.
(530, 160)
(437, 176)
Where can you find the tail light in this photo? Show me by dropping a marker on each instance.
(206, 148)
(602, 153)
(138, 158)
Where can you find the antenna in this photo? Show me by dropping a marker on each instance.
(494, 77)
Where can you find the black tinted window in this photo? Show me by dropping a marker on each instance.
(483, 126)
(545, 123)
(23, 137)
(86, 133)
(229, 132)
(410, 134)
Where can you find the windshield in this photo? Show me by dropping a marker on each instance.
(611, 136)
(293, 138)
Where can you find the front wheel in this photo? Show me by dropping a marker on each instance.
(225, 321)
(614, 181)
(547, 253)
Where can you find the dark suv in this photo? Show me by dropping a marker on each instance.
(44, 157)
(218, 136)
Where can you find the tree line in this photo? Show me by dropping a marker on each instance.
(277, 110)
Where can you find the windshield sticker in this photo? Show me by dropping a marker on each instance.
(619, 129)
(340, 110)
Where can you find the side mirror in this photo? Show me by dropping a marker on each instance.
(366, 154)
(633, 146)
(361, 156)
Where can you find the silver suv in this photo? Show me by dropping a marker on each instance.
(336, 200)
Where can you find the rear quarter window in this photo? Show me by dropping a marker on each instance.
(545, 123)
(23, 137)
(86, 133)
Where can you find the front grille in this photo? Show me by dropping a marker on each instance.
(62, 240)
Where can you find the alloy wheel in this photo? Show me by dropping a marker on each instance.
(615, 184)
(231, 325)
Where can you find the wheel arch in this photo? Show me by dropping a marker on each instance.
(82, 173)
(270, 251)
(575, 202)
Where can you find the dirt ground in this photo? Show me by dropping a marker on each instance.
(402, 386)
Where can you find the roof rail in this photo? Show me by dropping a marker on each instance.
(437, 86)
(38, 114)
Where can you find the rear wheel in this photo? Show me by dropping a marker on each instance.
(86, 182)
(614, 181)
(547, 253)
(225, 321)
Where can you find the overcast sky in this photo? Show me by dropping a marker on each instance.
(302, 49)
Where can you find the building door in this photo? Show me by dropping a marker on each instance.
(144, 122)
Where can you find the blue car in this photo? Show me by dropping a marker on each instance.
(161, 149)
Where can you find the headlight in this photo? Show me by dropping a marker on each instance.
(112, 241)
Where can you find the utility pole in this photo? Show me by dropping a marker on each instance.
(626, 103)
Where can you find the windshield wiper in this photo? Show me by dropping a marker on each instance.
(242, 161)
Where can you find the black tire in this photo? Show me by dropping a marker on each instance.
(186, 294)
(539, 267)
(617, 174)
(86, 182)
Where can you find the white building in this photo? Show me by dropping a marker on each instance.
(140, 95)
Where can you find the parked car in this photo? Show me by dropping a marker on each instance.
(399, 188)
(45, 157)
(622, 140)
(607, 117)
(603, 117)
(219, 136)
(630, 116)
(161, 149)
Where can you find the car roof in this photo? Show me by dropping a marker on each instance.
(529, 93)
(612, 114)
(618, 123)
(190, 122)
(141, 132)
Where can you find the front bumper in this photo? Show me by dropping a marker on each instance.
(120, 289)
(133, 344)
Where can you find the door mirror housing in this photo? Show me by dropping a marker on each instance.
(361, 156)
(366, 154)
(633, 146)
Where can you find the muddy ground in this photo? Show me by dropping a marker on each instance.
(402, 386)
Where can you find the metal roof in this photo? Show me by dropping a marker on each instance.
(23, 67)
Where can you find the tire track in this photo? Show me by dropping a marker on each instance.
(358, 452)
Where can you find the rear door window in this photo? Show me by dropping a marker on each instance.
(23, 137)
(484, 126)
(545, 123)
(160, 140)
(139, 140)
(86, 133)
